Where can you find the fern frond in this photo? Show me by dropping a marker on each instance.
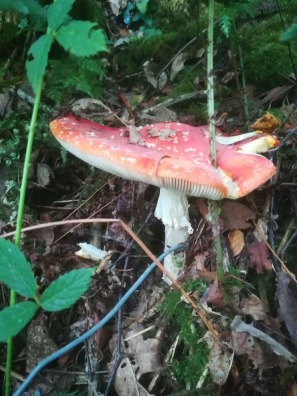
(72, 75)
(232, 10)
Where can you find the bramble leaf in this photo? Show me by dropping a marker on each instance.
(81, 38)
(58, 12)
(36, 67)
(15, 271)
(66, 290)
(14, 318)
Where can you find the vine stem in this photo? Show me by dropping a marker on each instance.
(20, 220)
(214, 206)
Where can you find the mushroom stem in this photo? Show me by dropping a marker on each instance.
(172, 209)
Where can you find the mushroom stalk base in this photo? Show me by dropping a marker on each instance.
(172, 209)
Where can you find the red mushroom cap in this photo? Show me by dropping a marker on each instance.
(171, 155)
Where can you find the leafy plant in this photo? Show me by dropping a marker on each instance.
(72, 74)
(230, 10)
(80, 38)
(16, 273)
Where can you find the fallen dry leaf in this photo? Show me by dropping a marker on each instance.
(144, 353)
(247, 303)
(202, 207)
(43, 174)
(245, 343)
(259, 257)
(227, 77)
(277, 93)
(214, 295)
(287, 298)
(292, 391)
(267, 123)
(220, 361)
(39, 342)
(126, 382)
(236, 216)
(240, 326)
(194, 270)
(260, 232)
(236, 241)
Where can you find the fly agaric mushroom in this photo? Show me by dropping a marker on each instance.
(176, 158)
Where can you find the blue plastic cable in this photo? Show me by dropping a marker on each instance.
(95, 328)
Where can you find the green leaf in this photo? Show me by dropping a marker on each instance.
(81, 38)
(290, 34)
(15, 271)
(14, 318)
(225, 24)
(142, 6)
(36, 65)
(21, 6)
(58, 12)
(66, 290)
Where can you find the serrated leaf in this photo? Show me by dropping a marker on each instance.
(14, 318)
(58, 12)
(66, 290)
(15, 271)
(225, 24)
(36, 66)
(81, 38)
(290, 34)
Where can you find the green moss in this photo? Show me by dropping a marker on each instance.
(191, 355)
(184, 81)
(200, 112)
(234, 278)
(129, 59)
(189, 369)
(265, 58)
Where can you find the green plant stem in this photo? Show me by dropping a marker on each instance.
(214, 206)
(235, 67)
(210, 84)
(20, 220)
(243, 80)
